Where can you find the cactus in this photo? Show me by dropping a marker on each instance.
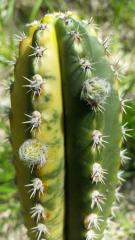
(66, 117)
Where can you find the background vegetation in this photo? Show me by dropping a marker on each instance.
(116, 19)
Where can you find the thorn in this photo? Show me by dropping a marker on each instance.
(76, 35)
(109, 222)
(123, 156)
(34, 120)
(125, 131)
(117, 69)
(106, 235)
(20, 37)
(98, 107)
(118, 195)
(98, 173)
(38, 51)
(38, 212)
(114, 209)
(91, 23)
(66, 19)
(98, 200)
(124, 104)
(86, 65)
(120, 176)
(92, 220)
(106, 42)
(36, 186)
(39, 230)
(98, 140)
(35, 85)
(91, 235)
(35, 22)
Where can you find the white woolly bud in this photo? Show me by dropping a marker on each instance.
(94, 92)
(33, 153)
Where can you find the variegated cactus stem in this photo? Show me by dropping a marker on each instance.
(37, 131)
(66, 129)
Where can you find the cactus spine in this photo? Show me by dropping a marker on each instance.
(62, 69)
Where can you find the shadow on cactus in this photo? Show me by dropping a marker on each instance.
(66, 130)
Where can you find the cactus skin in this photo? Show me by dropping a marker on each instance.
(77, 80)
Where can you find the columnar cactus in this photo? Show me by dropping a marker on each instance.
(66, 130)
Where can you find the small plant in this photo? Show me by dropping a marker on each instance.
(66, 117)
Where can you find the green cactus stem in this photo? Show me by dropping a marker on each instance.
(93, 132)
(66, 130)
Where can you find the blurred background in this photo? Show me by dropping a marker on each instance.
(116, 19)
